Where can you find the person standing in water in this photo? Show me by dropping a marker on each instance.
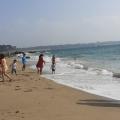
(53, 64)
(24, 61)
(53, 68)
(4, 68)
(40, 64)
(53, 59)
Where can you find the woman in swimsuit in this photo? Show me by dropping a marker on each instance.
(40, 64)
(4, 68)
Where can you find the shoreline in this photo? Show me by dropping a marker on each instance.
(32, 97)
(78, 89)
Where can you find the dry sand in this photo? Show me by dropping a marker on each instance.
(31, 97)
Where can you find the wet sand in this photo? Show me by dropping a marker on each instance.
(31, 97)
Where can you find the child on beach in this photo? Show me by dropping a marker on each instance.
(24, 61)
(40, 64)
(53, 64)
(3, 68)
(53, 68)
(14, 67)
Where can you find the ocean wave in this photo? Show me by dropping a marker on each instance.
(100, 71)
(81, 76)
(97, 71)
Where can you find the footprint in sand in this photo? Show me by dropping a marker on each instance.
(49, 88)
(17, 111)
(26, 75)
(35, 87)
(19, 114)
(17, 88)
(28, 90)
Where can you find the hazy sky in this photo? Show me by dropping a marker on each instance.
(48, 22)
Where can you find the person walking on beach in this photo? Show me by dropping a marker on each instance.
(24, 61)
(4, 68)
(40, 64)
(14, 67)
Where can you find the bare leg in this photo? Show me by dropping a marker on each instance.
(15, 71)
(10, 79)
(41, 70)
(23, 67)
(38, 70)
(3, 77)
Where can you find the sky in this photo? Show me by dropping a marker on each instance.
(26, 23)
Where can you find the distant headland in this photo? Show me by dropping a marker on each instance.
(14, 49)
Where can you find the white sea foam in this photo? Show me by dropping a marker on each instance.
(92, 80)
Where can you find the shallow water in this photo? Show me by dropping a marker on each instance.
(88, 69)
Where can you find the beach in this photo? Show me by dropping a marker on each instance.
(32, 97)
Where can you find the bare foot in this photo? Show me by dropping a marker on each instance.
(2, 81)
(10, 80)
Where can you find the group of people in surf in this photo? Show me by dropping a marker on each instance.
(39, 66)
(41, 63)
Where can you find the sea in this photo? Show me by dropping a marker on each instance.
(90, 69)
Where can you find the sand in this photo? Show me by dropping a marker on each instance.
(31, 97)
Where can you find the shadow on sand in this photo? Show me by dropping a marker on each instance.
(99, 103)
